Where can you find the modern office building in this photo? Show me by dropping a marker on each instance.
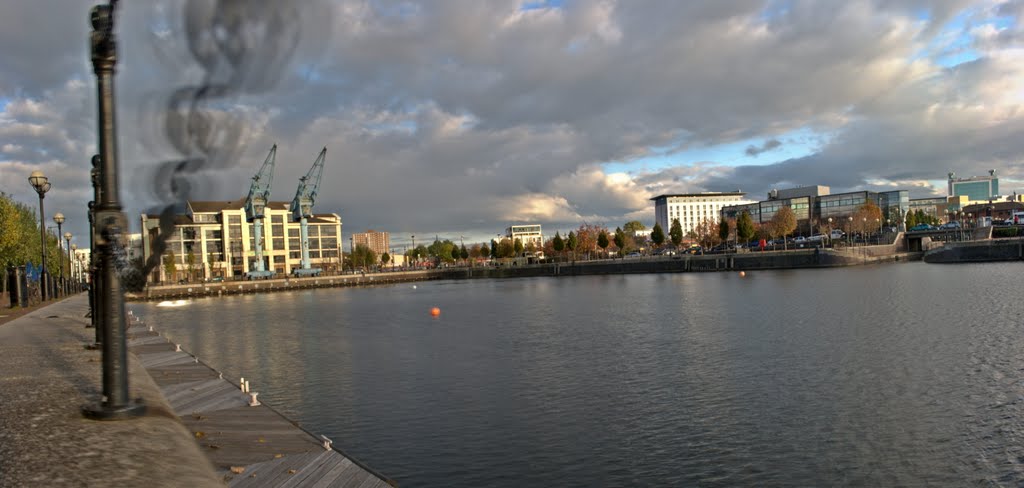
(212, 239)
(976, 188)
(526, 234)
(378, 242)
(812, 211)
(693, 208)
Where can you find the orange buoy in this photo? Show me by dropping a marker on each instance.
(435, 311)
(743, 273)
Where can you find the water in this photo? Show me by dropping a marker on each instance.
(896, 375)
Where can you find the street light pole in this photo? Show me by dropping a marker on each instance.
(67, 282)
(110, 225)
(41, 185)
(59, 219)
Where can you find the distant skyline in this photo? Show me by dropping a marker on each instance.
(459, 118)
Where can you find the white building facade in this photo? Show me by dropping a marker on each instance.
(527, 234)
(693, 208)
(213, 240)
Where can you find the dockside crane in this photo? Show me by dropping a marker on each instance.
(302, 209)
(255, 204)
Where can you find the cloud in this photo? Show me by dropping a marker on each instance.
(768, 145)
(461, 116)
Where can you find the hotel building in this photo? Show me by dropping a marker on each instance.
(693, 208)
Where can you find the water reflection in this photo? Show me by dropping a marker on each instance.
(903, 375)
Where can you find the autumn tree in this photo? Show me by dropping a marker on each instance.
(657, 235)
(867, 218)
(707, 233)
(485, 251)
(517, 246)
(586, 237)
(783, 223)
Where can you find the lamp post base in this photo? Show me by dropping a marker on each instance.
(131, 410)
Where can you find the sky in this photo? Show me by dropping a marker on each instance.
(458, 118)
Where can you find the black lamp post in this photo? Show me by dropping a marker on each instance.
(58, 218)
(67, 282)
(110, 224)
(41, 185)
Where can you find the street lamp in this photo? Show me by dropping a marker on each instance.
(74, 263)
(849, 234)
(41, 185)
(59, 219)
(67, 240)
(110, 223)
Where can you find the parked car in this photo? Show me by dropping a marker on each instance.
(837, 234)
(816, 238)
(921, 227)
(950, 225)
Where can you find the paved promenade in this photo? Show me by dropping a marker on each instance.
(46, 375)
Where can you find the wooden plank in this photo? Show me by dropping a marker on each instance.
(335, 473)
(272, 450)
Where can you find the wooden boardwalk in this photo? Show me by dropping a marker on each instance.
(251, 446)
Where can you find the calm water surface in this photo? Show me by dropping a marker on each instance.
(898, 375)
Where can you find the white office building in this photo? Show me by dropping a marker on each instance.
(526, 234)
(693, 208)
(213, 240)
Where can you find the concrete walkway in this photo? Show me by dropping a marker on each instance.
(46, 376)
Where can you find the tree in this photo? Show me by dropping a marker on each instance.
(571, 244)
(620, 240)
(557, 243)
(463, 253)
(170, 266)
(506, 249)
(784, 223)
(362, 256)
(724, 230)
(586, 237)
(494, 249)
(517, 246)
(745, 227)
(632, 226)
(602, 241)
(385, 258)
(707, 233)
(485, 251)
(675, 232)
(657, 235)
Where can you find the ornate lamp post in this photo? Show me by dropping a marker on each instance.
(73, 252)
(67, 240)
(58, 218)
(110, 223)
(42, 185)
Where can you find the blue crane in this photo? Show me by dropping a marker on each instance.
(302, 209)
(255, 204)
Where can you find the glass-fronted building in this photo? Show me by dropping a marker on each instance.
(975, 188)
(813, 211)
